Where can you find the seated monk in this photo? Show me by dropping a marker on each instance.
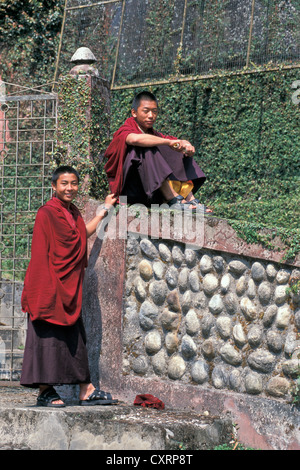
(148, 167)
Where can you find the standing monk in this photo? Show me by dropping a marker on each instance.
(148, 167)
(55, 351)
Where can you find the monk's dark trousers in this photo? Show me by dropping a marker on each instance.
(55, 355)
(145, 169)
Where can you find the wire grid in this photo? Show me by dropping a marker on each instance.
(27, 125)
(147, 40)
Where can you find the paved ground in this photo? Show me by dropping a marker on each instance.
(17, 396)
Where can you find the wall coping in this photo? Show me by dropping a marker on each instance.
(218, 234)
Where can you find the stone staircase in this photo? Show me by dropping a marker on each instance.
(119, 427)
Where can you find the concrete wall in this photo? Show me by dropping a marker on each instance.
(206, 327)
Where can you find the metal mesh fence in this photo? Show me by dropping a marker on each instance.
(27, 127)
(95, 26)
(145, 40)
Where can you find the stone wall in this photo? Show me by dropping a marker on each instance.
(209, 319)
(209, 329)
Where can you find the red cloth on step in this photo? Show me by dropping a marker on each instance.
(148, 401)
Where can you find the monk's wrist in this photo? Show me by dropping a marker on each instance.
(106, 208)
(173, 144)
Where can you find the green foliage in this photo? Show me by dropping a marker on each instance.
(100, 138)
(294, 287)
(81, 140)
(29, 36)
(245, 127)
(246, 132)
(72, 130)
(236, 446)
(296, 390)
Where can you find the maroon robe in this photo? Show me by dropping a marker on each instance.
(53, 282)
(117, 152)
(138, 172)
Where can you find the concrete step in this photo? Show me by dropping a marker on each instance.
(23, 425)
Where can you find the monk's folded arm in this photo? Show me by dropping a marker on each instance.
(147, 140)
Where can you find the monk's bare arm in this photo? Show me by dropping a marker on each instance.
(149, 140)
(91, 226)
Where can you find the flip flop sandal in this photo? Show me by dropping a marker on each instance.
(47, 397)
(191, 203)
(175, 203)
(208, 211)
(196, 202)
(98, 397)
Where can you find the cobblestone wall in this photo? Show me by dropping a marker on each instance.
(210, 319)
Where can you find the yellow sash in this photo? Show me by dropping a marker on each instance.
(182, 187)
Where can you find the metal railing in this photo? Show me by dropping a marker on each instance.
(140, 42)
(27, 130)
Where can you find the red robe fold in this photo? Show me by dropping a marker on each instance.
(117, 151)
(53, 282)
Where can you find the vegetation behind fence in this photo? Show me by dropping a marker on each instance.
(223, 72)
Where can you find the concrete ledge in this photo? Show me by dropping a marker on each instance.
(119, 427)
(260, 423)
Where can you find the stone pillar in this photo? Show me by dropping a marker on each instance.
(83, 120)
(82, 136)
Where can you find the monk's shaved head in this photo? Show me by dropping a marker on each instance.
(62, 170)
(143, 95)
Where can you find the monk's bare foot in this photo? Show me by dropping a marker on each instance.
(195, 202)
(42, 388)
(85, 391)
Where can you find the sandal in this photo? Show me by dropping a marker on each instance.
(98, 397)
(175, 203)
(195, 202)
(47, 397)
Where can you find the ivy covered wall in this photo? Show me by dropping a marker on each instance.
(245, 127)
(246, 132)
(29, 38)
(82, 132)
